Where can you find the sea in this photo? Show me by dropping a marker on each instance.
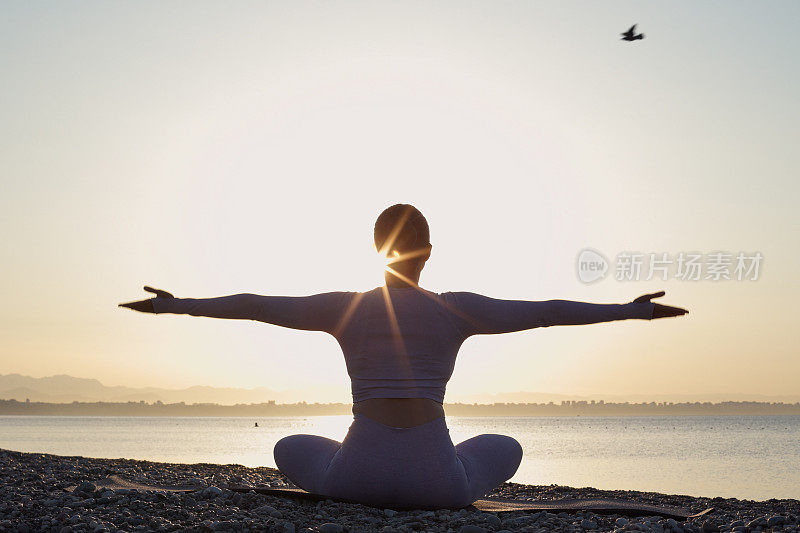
(745, 457)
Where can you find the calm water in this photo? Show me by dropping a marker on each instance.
(755, 457)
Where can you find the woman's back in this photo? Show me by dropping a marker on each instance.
(399, 343)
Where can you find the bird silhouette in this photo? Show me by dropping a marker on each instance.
(631, 34)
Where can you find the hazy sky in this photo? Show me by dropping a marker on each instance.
(211, 148)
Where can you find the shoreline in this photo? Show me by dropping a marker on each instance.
(272, 409)
(32, 498)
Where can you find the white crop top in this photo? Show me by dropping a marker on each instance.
(402, 342)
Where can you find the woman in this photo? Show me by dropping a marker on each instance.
(400, 344)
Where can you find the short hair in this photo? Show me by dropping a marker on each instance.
(412, 232)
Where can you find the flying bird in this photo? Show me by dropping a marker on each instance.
(631, 34)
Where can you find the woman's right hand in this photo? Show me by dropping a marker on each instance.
(146, 306)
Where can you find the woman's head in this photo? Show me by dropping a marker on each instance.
(402, 233)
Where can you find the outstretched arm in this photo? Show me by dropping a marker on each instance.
(483, 315)
(319, 312)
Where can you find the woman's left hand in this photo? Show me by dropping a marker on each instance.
(661, 311)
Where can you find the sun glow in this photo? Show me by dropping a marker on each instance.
(382, 262)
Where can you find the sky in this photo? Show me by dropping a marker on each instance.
(210, 148)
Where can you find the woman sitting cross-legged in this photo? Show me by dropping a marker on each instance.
(400, 343)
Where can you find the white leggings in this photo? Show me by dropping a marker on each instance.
(404, 468)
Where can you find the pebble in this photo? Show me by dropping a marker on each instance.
(32, 499)
(472, 529)
(493, 519)
(776, 520)
(85, 486)
(212, 492)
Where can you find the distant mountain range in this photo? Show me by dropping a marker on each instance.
(65, 389)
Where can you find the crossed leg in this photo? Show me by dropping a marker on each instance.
(488, 461)
(305, 458)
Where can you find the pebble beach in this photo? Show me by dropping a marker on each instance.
(33, 497)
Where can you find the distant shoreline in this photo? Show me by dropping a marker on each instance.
(272, 409)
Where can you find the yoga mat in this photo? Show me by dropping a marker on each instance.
(493, 505)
